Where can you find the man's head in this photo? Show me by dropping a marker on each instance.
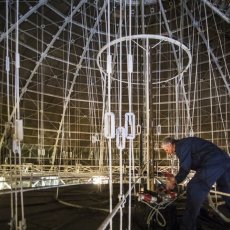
(168, 144)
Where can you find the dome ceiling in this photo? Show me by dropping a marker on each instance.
(64, 88)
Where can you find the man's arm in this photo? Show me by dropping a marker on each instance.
(181, 175)
(185, 158)
(173, 181)
(170, 183)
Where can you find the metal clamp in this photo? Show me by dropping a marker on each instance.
(109, 128)
(130, 125)
(120, 137)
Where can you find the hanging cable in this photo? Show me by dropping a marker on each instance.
(128, 118)
(7, 61)
(109, 71)
(121, 195)
(210, 75)
(41, 143)
(226, 74)
(64, 136)
(8, 114)
(18, 123)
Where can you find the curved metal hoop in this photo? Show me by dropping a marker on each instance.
(147, 36)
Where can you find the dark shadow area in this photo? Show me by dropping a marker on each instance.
(44, 212)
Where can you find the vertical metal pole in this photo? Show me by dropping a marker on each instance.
(147, 112)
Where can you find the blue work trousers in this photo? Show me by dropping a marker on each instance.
(198, 189)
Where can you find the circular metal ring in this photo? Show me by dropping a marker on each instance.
(146, 36)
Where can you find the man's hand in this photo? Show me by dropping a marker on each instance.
(170, 183)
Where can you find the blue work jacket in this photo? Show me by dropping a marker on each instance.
(196, 154)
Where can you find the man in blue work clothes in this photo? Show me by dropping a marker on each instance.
(211, 164)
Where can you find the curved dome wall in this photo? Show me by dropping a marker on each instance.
(63, 94)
